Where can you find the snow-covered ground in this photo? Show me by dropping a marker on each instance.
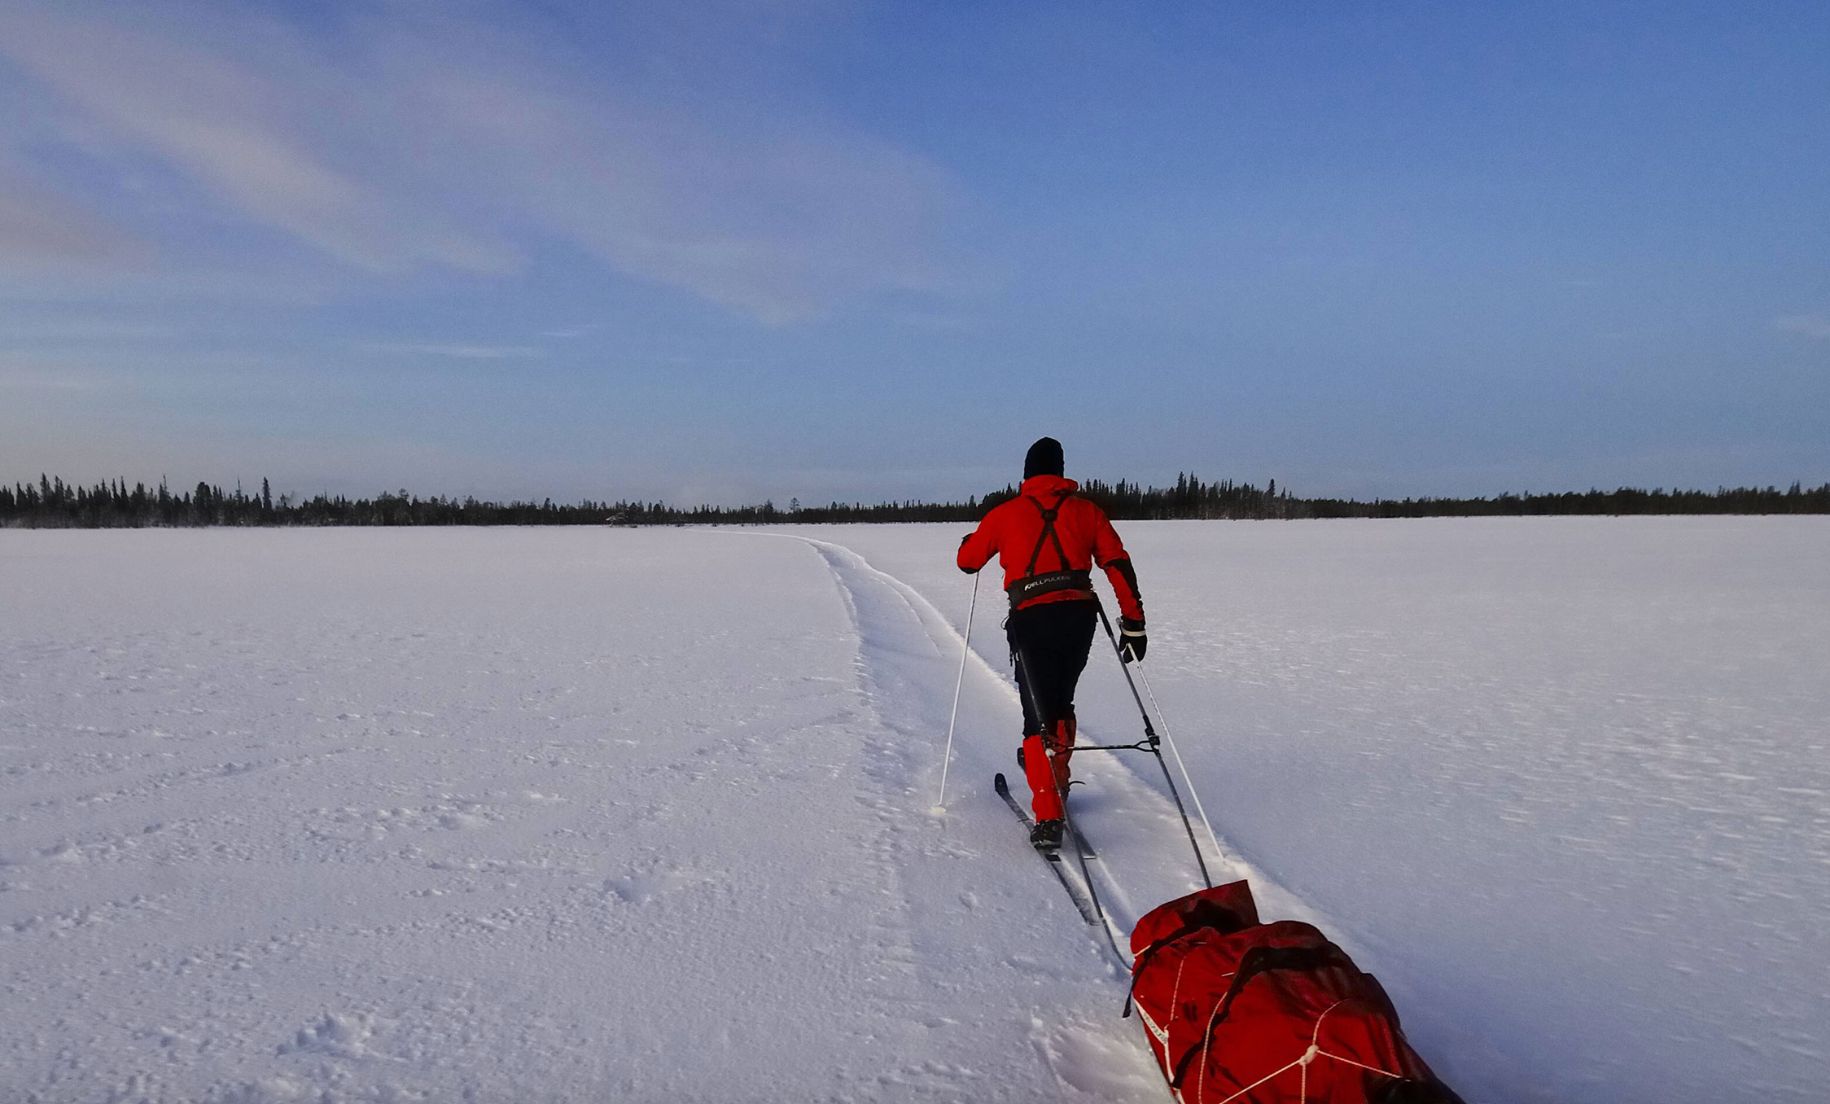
(530, 815)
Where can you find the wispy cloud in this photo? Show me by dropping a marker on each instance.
(569, 332)
(239, 124)
(410, 140)
(46, 378)
(40, 229)
(84, 330)
(455, 351)
(1810, 325)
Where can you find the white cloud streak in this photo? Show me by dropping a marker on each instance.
(41, 230)
(416, 141)
(570, 332)
(1810, 325)
(40, 378)
(455, 351)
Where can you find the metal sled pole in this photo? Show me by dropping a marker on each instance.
(946, 759)
(1193, 793)
(1151, 737)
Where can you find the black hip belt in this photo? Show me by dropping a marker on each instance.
(1034, 586)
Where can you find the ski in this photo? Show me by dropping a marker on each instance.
(1086, 845)
(1081, 901)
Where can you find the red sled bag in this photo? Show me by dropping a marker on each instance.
(1240, 1012)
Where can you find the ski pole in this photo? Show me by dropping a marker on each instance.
(1150, 734)
(940, 802)
(1181, 766)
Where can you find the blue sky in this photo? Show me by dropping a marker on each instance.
(722, 251)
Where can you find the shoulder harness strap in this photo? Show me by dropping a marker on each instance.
(1031, 584)
(1049, 513)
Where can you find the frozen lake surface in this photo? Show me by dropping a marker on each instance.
(522, 814)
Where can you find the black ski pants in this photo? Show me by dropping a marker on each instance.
(1049, 644)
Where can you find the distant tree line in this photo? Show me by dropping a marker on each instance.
(1796, 499)
(52, 503)
(1193, 498)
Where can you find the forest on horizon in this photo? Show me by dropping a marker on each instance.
(52, 503)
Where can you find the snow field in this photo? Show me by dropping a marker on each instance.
(360, 815)
(509, 815)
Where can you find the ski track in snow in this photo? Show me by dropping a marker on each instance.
(1130, 818)
(908, 652)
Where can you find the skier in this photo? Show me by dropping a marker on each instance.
(1047, 539)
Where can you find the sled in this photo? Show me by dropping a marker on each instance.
(1242, 1012)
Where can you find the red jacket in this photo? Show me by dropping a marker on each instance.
(1011, 532)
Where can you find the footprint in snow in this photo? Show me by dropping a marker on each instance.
(1093, 1063)
(643, 888)
(339, 1034)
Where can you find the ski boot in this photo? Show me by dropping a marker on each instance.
(1046, 835)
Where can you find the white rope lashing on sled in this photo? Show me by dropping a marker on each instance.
(1163, 1034)
(1308, 1056)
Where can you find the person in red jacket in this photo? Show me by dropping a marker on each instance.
(1048, 538)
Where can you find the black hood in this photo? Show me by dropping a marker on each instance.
(1043, 458)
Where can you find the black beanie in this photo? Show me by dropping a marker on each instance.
(1043, 458)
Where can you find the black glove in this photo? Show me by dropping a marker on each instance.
(1131, 639)
(962, 544)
